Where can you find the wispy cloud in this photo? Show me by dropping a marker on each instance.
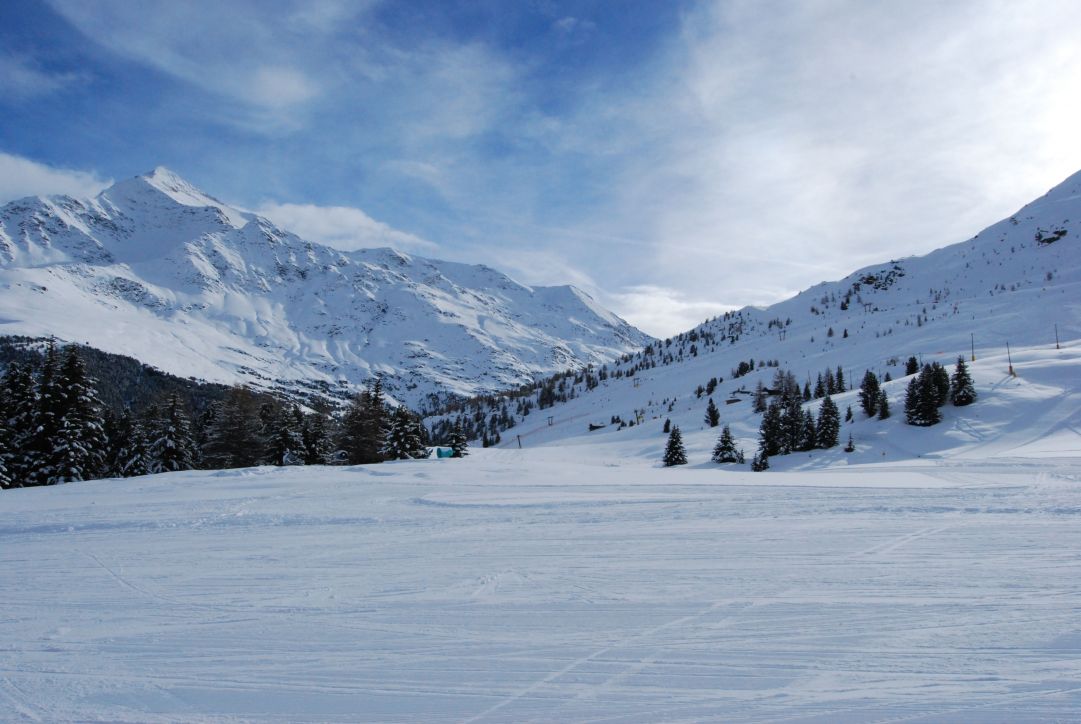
(23, 78)
(21, 177)
(340, 227)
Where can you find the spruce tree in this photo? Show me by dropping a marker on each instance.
(234, 438)
(840, 380)
(45, 422)
(771, 430)
(364, 427)
(316, 439)
(403, 440)
(868, 394)
(883, 405)
(674, 452)
(78, 449)
(921, 399)
(791, 425)
(828, 426)
(725, 451)
(286, 446)
(941, 380)
(171, 444)
(759, 397)
(667, 425)
(459, 446)
(809, 434)
(912, 366)
(713, 415)
(760, 461)
(132, 457)
(19, 405)
(962, 391)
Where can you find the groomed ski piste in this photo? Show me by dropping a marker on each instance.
(932, 575)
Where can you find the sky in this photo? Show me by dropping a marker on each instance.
(674, 159)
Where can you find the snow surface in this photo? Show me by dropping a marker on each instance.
(932, 575)
(158, 270)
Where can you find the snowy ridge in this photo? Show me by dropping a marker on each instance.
(1016, 282)
(156, 269)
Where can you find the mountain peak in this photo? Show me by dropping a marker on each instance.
(164, 182)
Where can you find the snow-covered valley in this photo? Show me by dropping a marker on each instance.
(549, 584)
(932, 575)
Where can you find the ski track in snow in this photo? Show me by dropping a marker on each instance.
(461, 591)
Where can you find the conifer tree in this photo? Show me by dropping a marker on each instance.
(132, 457)
(45, 422)
(962, 391)
(820, 387)
(78, 448)
(667, 425)
(404, 440)
(771, 431)
(316, 440)
(868, 394)
(828, 426)
(674, 452)
(941, 379)
(234, 437)
(809, 434)
(18, 406)
(458, 444)
(286, 445)
(171, 444)
(921, 399)
(840, 380)
(791, 425)
(364, 427)
(759, 397)
(713, 415)
(725, 451)
(883, 405)
(760, 461)
(912, 366)
(831, 383)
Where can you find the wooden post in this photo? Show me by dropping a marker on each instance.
(1009, 358)
(1056, 337)
(519, 441)
(972, 341)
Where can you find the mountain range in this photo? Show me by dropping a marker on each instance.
(159, 270)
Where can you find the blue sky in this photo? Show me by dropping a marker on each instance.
(674, 159)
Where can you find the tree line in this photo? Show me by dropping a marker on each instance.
(54, 428)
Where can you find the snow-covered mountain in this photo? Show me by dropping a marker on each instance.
(156, 269)
(1016, 283)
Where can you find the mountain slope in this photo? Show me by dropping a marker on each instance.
(1014, 283)
(156, 269)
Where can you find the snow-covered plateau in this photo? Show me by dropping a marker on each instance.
(574, 581)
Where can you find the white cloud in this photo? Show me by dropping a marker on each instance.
(341, 227)
(776, 144)
(21, 177)
(660, 311)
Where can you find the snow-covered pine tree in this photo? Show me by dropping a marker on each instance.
(316, 438)
(20, 408)
(868, 394)
(962, 391)
(674, 452)
(286, 447)
(403, 440)
(171, 444)
(725, 450)
(760, 461)
(921, 399)
(45, 422)
(912, 366)
(458, 444)
(364, 427)
(78, 449)
(132, 457)
(713, 415)
(667, 425)
(840, 380)
(828, 426)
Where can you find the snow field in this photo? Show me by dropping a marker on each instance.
(548, 584)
